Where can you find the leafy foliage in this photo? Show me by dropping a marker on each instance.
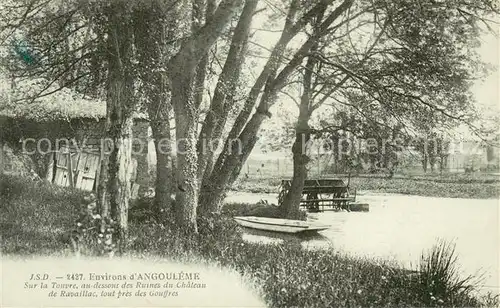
(439, 279)
(63, 104)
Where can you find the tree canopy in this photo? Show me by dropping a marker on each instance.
(370, 66)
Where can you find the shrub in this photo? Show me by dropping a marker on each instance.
(258, 210)
(93, 235)
(438, 279)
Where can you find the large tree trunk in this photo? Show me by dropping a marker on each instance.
(242, 138)
(182, 73)
(222, 179)
(227, 160)
(236, 152)
(119, 176)
(158, 111)
(185, 129)
(120, 105)
(290, 208)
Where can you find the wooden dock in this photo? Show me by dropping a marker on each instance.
(322, 194)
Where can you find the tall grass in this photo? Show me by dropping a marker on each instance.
(287, 275)
(439, 280)
(36, 215)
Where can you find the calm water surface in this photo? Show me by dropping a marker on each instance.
(401, 227)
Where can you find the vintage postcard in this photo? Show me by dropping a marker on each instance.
(249, 153)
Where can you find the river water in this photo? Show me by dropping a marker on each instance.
(401, 227)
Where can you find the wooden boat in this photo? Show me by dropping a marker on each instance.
(279, 225)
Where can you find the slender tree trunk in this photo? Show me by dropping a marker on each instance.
(291, 205)
(201, 10)
(163, 183)
(2, 159)
(152, 31)
(221, 103)
(102, 200)
(432, 160)
(243, 135)
(424, 162)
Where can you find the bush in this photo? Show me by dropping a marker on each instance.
(258, 210)
(439, 282)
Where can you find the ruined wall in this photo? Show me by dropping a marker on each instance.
(37, 140)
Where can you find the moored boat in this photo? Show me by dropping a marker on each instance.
(279, 225)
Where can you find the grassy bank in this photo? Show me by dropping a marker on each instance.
(36, 215)
(446, 186)
(36, 218)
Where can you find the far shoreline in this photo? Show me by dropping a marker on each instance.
(480, 186)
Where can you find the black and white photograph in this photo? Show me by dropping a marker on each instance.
(249, 153)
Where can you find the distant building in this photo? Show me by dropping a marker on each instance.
(461, 156)
(472, 156)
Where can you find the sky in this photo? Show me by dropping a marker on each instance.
(487, 91)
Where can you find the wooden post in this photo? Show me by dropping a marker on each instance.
(2, 159)
(319, 167)
(98, 171)
(70, 170)
(78, 175)
(50, 170)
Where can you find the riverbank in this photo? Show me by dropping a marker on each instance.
(38, 218)
(474, 186)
